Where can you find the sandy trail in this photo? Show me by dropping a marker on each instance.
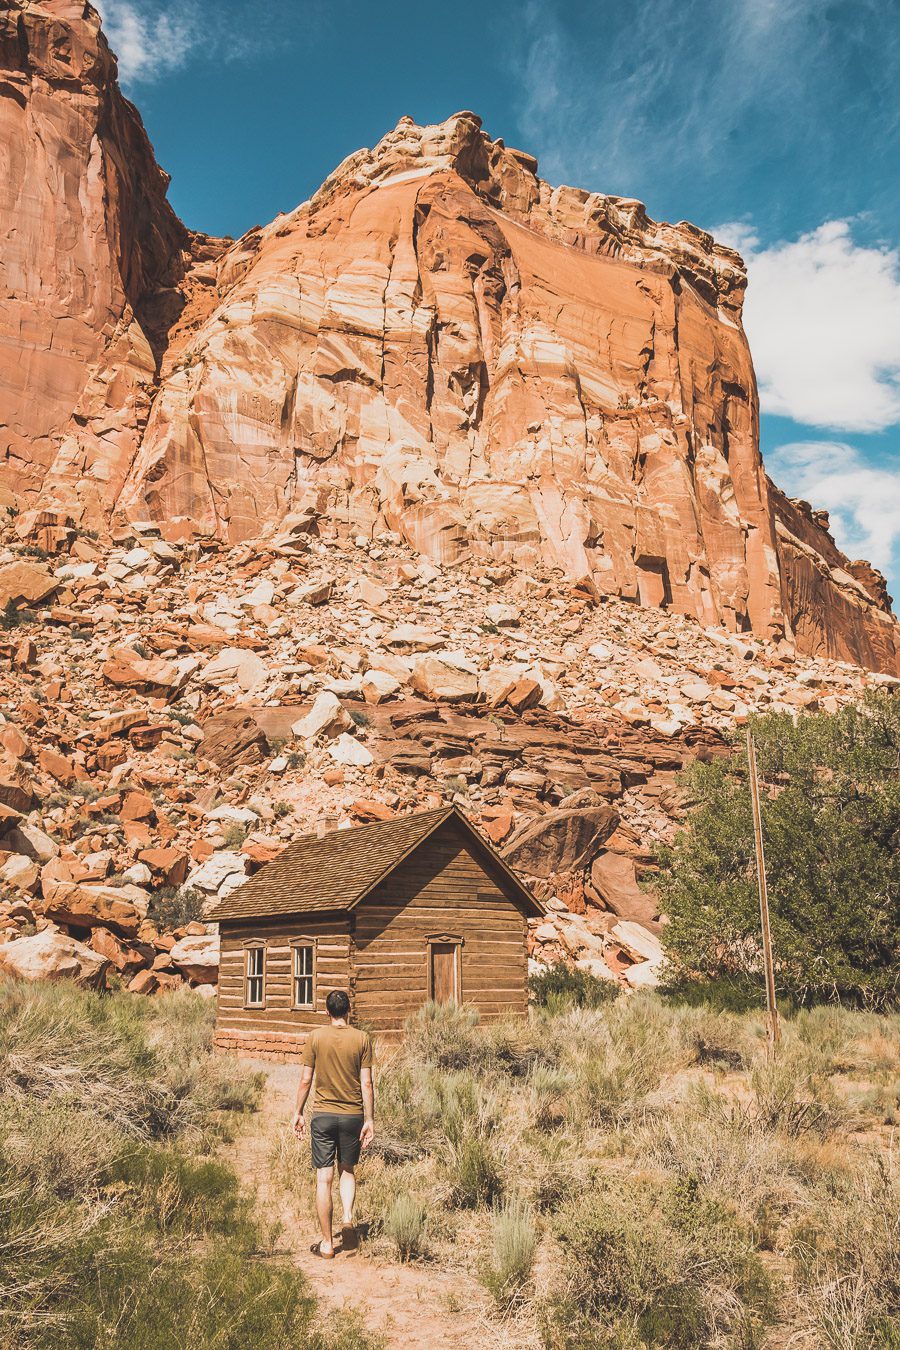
(410, 1306)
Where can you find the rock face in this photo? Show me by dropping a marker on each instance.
(93, 261)
(437, 343)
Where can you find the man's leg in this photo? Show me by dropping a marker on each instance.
(347, 1185)
(324, 1178)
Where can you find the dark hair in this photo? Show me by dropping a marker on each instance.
(337, 1003)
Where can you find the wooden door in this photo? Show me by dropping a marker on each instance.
(444, 956)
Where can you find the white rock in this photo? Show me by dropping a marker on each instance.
(197, 957)
(643, 975)
(50, 955)
(347, 750)
(377, 686)
(20, 872)
(234, 665)
(637, 940)
(236, 815)
(220, 873)
(326, 717)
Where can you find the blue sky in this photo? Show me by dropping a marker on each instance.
(774, 123)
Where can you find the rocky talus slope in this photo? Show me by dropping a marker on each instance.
(437, 344)
(172, 715)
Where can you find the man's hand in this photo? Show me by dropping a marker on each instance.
(367, 1133)
(299, 1124)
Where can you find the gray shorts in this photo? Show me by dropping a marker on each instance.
(335, 1135)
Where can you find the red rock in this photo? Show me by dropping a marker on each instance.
(171, 864)
(498, 827)
(137, 833)
(25, 655)
(117, 724)
(144, 982)
(260, 851)
(126, 958)
(524, 694)
(111, 753)
(25, 583)
(365, 809)
(57, 765)
(91, 906)
(668, 297)
(18, 796)
(13, 741)
(201, 849)
(137, 806)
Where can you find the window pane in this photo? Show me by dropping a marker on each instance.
(255, 969)
(303, 976)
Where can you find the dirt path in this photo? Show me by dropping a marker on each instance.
(410, 1306)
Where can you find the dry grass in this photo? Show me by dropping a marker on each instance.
(117, 1227)
(665, 1183)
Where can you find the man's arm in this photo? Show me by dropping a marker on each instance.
(306, 1077)
(367, 1083)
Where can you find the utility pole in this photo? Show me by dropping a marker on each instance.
(772, 1027)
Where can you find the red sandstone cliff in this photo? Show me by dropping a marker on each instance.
(437, 342)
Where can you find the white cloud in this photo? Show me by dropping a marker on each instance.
(863, 499)
(669, 84)
(823, 318)
(149, 41)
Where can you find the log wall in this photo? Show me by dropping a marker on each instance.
(442, 890)
(277, 1030)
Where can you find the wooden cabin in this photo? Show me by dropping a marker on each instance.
(396, 913)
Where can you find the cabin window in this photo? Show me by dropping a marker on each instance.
(444, 978)
(304, 969)
(255, 977)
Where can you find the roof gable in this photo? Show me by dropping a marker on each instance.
(323, 873)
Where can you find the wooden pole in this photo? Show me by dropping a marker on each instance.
(772, 1027)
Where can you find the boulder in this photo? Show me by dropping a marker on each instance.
(233, 738)
(120, 908)
(51, 955)
(197, 958)
(221, 873)
(26, 584)
(560, 841)
(348, 750)
(327, 717)
(22, 873)
(234, 665)
(438, 679)
(614, 879)
(378, 686)
(31, 841)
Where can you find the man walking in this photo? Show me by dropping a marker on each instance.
(343, 1114)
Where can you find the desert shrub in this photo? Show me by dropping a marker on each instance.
(475, 1170)
(173, 906)
(404, 1224)
(560, 987)
(656, 1263)
(116, 1228)
(831, 821)
(12, 617)
(513, 1247)
(447, 1037)
(846, 1252)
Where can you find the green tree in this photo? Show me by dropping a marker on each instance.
(830, 788)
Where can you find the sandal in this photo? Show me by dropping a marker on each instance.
(316, 1250)
(349, 1238)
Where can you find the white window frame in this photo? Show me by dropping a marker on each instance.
(254, 953)
(303, 945)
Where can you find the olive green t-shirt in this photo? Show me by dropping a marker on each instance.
(337, 1054)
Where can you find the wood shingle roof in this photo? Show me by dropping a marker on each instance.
(321, 873)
